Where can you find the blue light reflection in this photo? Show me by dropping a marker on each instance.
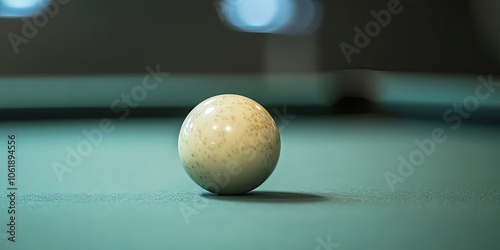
(293, 17)
(21, 8)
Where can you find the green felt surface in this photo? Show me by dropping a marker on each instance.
(130, 191)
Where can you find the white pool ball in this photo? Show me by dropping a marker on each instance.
(229, 144)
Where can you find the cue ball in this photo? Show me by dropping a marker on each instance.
(229, 144)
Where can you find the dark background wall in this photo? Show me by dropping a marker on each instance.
(118, 36)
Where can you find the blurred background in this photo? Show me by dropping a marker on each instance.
(116, 36)
(76, 53)
(66, 64)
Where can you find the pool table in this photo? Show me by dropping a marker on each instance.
(412, 175)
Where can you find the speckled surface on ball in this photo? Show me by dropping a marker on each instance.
(229, 144)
